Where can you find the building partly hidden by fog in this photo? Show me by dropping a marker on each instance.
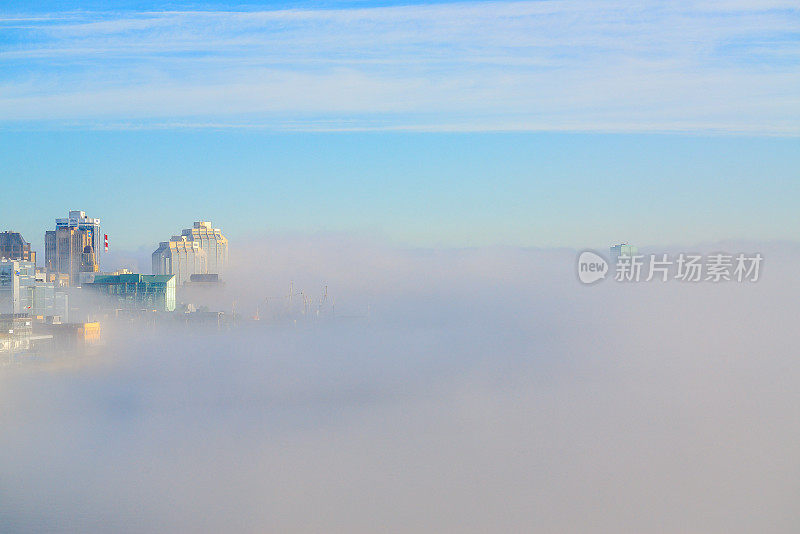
(623, 249)
(136, 291)
(23, 290)
(74, 246)
(200, 250)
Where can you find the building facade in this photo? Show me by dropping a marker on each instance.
(179, 257)
(212, 242)
(137, 291)
(14, 247)
(74, 246)
(199, 250)
(23, 290)
(90, 225)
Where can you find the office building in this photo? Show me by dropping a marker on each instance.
(212, 242)
(179, 257)
(91, 225)
(89, 260)
(9, 287)
(14, 247)
(199, 250)
(23, 290)
(74, 246)
(136, 291)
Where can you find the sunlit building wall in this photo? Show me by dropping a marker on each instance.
(212, 242)
(90, 225)
(66, 246)
(180, 257)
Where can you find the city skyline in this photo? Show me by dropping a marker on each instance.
(419, 123)
(495, 266)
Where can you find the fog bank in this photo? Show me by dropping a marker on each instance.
(480, 390)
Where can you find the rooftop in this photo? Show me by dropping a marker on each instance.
(109, 279)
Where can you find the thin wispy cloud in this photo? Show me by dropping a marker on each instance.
(708, 66)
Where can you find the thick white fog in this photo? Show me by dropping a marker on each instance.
(481, 390)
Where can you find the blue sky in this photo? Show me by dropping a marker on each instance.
(562, 123)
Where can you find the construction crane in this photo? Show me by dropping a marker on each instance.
(311, 308)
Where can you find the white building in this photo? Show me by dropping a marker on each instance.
(181, 257)
(22, 290)
(212, 242)
(201, 249)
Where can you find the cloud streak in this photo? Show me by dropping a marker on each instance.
(573, 65)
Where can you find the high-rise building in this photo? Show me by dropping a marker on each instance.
(89, 260)
(201, 249)
(74, 246)
(14, 247)
(213, 242)
(179, 257)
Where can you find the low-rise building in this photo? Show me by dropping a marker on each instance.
(71, 335)
(204, 280)
(136, 291)
(15, 332)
